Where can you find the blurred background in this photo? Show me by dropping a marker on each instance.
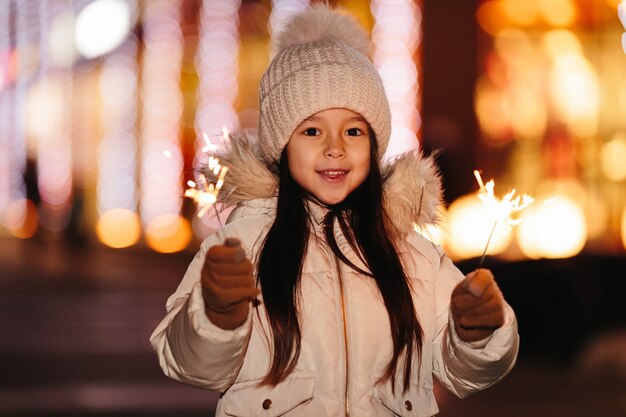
(106, 107)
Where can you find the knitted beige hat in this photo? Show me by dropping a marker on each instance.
(321, 63)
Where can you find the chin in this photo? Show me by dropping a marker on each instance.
(331, 201)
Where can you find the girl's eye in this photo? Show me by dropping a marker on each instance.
(311, 131)
(354, 132)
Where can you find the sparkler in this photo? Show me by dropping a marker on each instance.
(501, 210)
(205, 195)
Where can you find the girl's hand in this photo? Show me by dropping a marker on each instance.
(227, 285)
(477, 306)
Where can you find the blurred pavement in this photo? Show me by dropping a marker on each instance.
(75, 323)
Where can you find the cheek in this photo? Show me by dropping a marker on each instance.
(296, 161)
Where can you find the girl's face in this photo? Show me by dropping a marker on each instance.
(329, 154)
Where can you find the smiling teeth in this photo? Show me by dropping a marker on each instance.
(334, 172)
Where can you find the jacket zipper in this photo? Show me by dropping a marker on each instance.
(345, 335)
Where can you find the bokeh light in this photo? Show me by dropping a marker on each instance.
(491, 17)
(22, 219)
(470, 227)
(118, 228)
(117, 153)
(553, 227)
(61, 39)
(613, 158)
(521, 12)
(102, 26)
(575, 93)
(217, 68)
(396, 36)
(558, 12)
(168, 233)
(162, 107)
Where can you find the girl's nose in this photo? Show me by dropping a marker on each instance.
(334, 148)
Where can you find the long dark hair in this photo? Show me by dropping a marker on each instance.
(365, 225)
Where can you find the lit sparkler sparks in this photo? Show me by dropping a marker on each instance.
(209, 146)
(500, 210)
(205, 196)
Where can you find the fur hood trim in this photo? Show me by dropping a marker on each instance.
(411, 182)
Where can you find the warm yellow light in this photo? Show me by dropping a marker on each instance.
(558, 12)
(22, 218)
(492, 110)
(514, 46)
(575, 92)
(614, 3)
(118, 228)
(530, 116)
(521, 12)
(613, 158)
(470, 226)
(561, 42)
(553, 227)
(491, 17)
(168, 233)
(45, 107)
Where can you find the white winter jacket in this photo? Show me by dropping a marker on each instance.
(346, 338)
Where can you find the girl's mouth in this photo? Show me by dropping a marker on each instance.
(333, 175)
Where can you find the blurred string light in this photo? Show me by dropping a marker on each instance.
(61, 39)
(17, 214)
(9, 190)
(23, 217)
(118, 223)
(396, 36)
(49, 121)
(554, 227)
(103, 25)
(217, 68)
(162, 104)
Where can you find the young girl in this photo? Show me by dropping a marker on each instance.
(323, 301)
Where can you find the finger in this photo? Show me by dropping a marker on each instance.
(467, 302)
(478, 281)
(221, 253)
(234, 281)
(224, 298)
(494, 304)
(490, 320)
(230, 268)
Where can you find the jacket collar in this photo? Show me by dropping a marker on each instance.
(411, 184)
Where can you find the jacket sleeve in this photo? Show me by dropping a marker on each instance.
(463, 367)
(191, 349)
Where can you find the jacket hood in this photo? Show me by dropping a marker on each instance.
(411, 182)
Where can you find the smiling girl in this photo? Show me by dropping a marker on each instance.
(323, 301)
